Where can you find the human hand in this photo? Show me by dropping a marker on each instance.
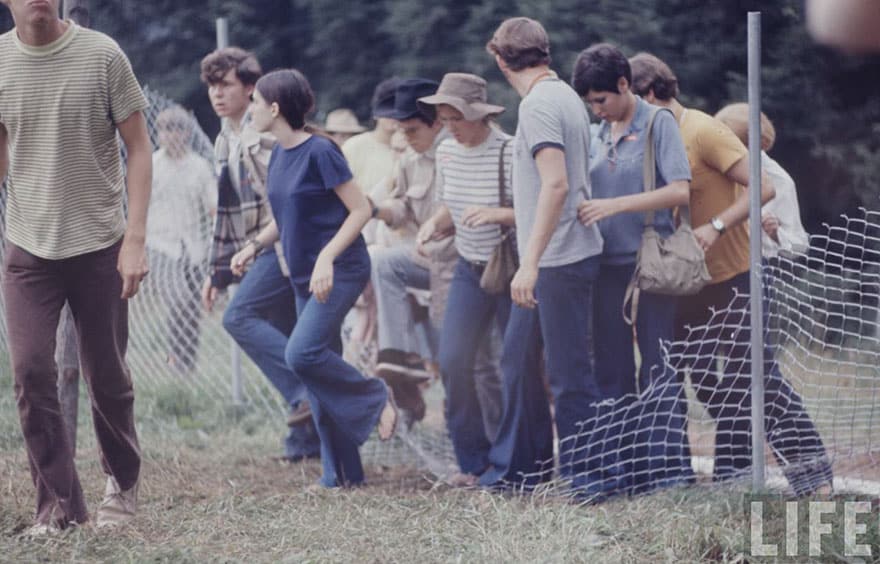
(475, 216)
(770, 224)
(706, 236)
(209, 294)
(426, 231)
(322, 278)
(591, 211)
(132, 265)
(522, 287)
(240, 260)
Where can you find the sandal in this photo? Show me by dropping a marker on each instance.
(388, 418)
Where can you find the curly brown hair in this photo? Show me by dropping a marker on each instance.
(218, 63)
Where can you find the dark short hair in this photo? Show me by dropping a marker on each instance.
(650, 73)
(599, 68)
(218, 63)
(521, 43)
(290, 89)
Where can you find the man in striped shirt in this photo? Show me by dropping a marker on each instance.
(69, 240)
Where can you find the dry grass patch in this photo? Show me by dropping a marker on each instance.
(220, 497)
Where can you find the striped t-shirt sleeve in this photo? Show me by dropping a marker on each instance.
(126, 96)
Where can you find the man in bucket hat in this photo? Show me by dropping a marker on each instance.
(473, 186)
(342, 124)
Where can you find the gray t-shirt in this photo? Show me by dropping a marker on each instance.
(552, 115)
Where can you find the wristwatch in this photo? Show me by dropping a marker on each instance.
(374, 209)
(256, 243)
(718, 225)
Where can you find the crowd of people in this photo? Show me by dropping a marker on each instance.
(402, 227)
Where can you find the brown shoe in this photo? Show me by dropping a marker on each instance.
(388, 417)
(300, 415)
(118, 507)
(397, 366)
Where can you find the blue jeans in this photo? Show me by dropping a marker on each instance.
(345, 405)
(790, 432)
(260, 317)
(467, 327)
(523, 452)
(648, 429)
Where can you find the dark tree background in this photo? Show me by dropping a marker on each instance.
(825, 105)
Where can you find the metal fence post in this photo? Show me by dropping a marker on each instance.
(756, 289)
(237, 391)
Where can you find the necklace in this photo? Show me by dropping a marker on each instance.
(541, 76)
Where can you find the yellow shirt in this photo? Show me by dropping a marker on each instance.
(712, 149)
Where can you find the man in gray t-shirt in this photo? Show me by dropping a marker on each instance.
(552, 290)
(551, 116)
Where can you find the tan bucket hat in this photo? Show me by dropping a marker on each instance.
(343, 120)
(464, 92)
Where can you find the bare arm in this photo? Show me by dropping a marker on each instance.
(4, 153)
(132, 263)
(358, 214)
(554, 190)
(674, 194)
(739, 210)
(475, 216)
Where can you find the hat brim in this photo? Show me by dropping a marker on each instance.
(348, 129)
(399, 115)
(470, 112)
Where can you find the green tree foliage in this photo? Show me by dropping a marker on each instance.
(826, 105)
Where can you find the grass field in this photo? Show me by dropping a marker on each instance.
(211, 492)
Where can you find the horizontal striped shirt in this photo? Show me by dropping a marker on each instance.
(59, 104)
(468, 177)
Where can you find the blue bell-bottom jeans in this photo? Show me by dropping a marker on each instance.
(345, 405)
(260, 317)
(523, 451)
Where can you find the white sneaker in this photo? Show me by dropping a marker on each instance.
(41, 530)
(118, 507)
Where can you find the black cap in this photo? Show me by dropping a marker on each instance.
(383, 96)
(406, 97)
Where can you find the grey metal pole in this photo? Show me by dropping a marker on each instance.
(756, 289)
(66, 341)
(222, 33)
(237, 390)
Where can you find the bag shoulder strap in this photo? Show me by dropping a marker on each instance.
(649, 162)
(501, 181)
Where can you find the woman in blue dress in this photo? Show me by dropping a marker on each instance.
(319, 212)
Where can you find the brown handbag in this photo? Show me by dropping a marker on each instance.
(504, 261)
(675, 266)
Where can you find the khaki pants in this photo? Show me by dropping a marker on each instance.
(35, 290)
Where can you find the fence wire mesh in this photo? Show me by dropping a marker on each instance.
(822, 370)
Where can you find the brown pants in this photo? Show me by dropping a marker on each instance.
(35, 290)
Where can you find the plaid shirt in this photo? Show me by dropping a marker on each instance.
(241, 212)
